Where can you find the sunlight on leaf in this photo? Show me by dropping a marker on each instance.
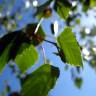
(40, 82)
(27, 58)
(70, 48)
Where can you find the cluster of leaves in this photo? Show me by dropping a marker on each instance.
(20, 46)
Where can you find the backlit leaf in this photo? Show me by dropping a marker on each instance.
(27, 58)
(40, 82)
(70, 48)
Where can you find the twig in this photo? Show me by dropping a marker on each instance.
(44, 55)
(38, 25)
(50, 42)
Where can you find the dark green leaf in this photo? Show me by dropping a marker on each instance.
(9, 45)
(40, 9)
(86, 5)
(62, 55)
(77, 21)
(18, 42)
(18, 37)
(66, 3)
(70, 48)
(78, 82)
(23, 47)
(4, 57)
(27, 58)
(6, 40)
(62, 10)
(40, 82)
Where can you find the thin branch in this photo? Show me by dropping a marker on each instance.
(36, 30)
(50, 42)
(38, 25)
(44, 55)
(40, 38)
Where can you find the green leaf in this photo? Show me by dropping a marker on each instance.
(92, 3)
(78, 82)
(9, 43)
(4, 57)
(17, 38)
(27, 58)
(40, 81)
(23, 46)
(93, 31)
(66, 3)
(41, 10)
(70, 48)
(62, 10)
(77, 21)
(86, 5)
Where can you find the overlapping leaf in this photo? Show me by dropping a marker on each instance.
(4, 57)
(9, 45)
(70, 48)
(62, 10)
(27, 58)
(40, 81)
(41, 10)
